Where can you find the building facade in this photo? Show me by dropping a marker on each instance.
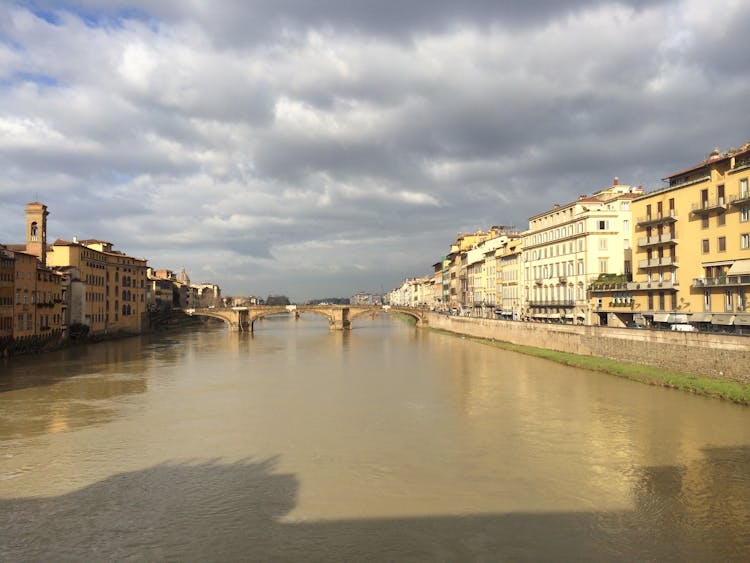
(115, 284)
(37, 299)
(7, 277)
(510, 280)
(569, 246)
(692, 251)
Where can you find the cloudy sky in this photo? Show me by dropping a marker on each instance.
(321, 147)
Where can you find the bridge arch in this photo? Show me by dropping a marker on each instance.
(260, 313)
(417, 314)
(355, 312)
(235, 318)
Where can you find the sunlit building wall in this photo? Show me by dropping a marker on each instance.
(569, 246)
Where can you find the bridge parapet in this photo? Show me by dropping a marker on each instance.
(242, 319)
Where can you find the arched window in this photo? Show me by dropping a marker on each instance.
(34, 231)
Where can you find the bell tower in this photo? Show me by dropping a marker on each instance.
(36, 230)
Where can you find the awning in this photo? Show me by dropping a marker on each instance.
(719, 263)
(700, 318)
(722, 319)
(739, 268)
(553, 316)
(568, 315)
(679, 318)
(661, 317)
(743, 320)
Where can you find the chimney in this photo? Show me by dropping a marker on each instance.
(616, 182)
(75, 239)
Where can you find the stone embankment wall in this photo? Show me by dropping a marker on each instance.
(720, 356)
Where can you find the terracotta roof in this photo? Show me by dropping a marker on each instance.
(94, 241)
(719, 158)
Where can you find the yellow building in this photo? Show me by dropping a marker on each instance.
(510, 281)
(37, 300)
(692, 253)
(35, 291)
(456, 271)
(466, 282)
(569, 246)
(7, 276)
(115, 284)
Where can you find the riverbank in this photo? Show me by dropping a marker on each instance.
(693, 383)
(170, 320)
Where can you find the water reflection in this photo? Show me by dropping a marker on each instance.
(71, 388)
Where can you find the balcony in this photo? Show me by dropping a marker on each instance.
(654, 284)
(558, 303)
(658, 262)
(606, 287)
(618, 303)
(706, 206)
(723, 281)
(657, 219)
(665, 238)
(740, 199)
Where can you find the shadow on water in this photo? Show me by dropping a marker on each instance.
(217, 511)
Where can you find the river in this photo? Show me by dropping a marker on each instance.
(383, 443)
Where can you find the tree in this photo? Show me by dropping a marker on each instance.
(277, 300)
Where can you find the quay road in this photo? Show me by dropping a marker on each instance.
(340, 317)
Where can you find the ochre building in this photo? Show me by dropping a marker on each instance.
(691, 263)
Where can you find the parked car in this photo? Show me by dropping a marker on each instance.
(683, 327)
(636, 325)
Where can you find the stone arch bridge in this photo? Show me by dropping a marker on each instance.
(340, 317)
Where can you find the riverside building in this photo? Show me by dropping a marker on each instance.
(113, 284)
(510, 284)
(571, 245)
(692, 253)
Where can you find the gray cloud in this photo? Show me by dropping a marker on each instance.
(330, 147)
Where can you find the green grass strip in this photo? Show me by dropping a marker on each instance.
(408, 319)
(692, 383)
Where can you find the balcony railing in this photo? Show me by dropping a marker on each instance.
(618, 303)
(613, 286)
(707, 206)
(557, 303)
(657, 218)
(740, 199)
(654, 284)
(722, 281)
(658, 239)
(658, 262)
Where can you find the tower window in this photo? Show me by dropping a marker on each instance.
(34, 231)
